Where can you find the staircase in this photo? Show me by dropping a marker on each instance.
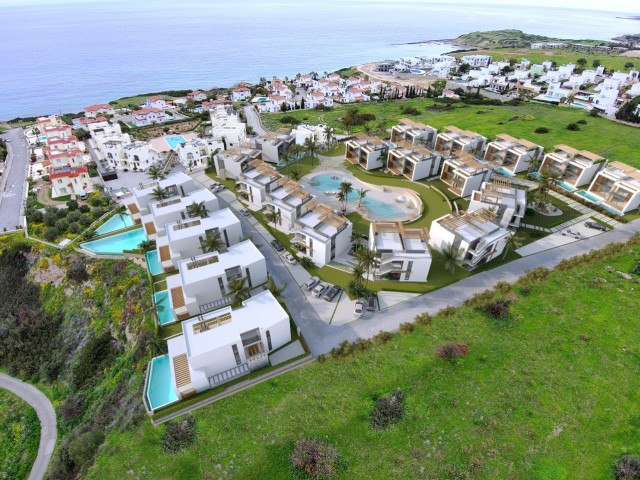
(229, 375)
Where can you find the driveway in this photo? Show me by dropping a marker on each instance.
(253, 120)
(13, 180)
(46, 415)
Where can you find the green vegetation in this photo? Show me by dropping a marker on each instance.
(3, 149)
(500, 38)
(544, 391)
(533, 218)
(519, 121)
(20, 436)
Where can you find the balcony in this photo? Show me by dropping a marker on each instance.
(228, 375)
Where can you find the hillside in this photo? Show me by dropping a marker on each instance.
(507, 39)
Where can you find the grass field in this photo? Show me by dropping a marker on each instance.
(599, 135)
(20, 436)
(549, 394)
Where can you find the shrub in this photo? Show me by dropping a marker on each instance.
(498, 309)
(344, 349)
(74, 216)
(321, 358)
(410, 110)
(423, 319)
(582, 122)
(362, 344)
(542, 130)
(34, 216)
(407, 327)
(50, 234)
(50, 219)
(534, 276)
(72, 205)
(447, 312)
(574, 127)
(291, 120)
(388, 410)
(452, 351)
(502, 287)
(179, 434)
(382, 337)
(84, 208)
(480, 300)
(84, 446)
(62, 225)
(72, 407)
(95, 201)
(627, 468)
(85, 221)
(74, 227)
(594, 113)
(78, 272)
(315, 457)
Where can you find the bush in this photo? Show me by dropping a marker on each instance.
(452, 351)
(502, 287)
(594, 113)
(542, 130)
(62, 225)
(289, 119)
(34, 216)
(315, 457)
(84, 208)
(423, 319)
(447, 312)
(407, 327)
(534, 276)
(72, 407)
(50, 234)
(50, 219)
(344, 349)
(74, 227)
(72, 205)
(574, 127)
(179, 434)
(78, 272)
(498, 309)
(73, 216)
(388, 410)
(480, 300)
(410, 110)
(85, 221)
(96, 201)
(627, 468)
(84, 446)
(582, 122)
(382, 337)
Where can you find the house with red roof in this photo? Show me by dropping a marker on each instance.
(156, 102)
(197, 96)
(92, 111)
(149, 116)
(240, 94)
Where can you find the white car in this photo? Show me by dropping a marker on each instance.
(319, 290)
(357, 311)
(290, 259)
(309, 284)
(244, 212)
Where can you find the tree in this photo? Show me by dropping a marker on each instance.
(547, 181)
(368, 259)
(345, 189)
(464, 68)
(285, 159)
(146, 245)
(328, 134)
(295, 174)
(276, 290)
(212, 242)
(311, 148)
(581, 62)
(357, 238)
(155, 173)
(512, 243)
(159, 194)
(596, 63)
(239, 291)
(451, 256)
(273, 216)
(362, 192)
(198, 209)
(358, 272)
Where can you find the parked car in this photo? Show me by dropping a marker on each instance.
(359, 308)
(331, 293)
(371, 303)
(309, 284)
(290, 259)
(214, 185)
(319, 290)
(596, 226)
(277, 245)
(244, 212)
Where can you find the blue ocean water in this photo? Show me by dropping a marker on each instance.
(61, 56)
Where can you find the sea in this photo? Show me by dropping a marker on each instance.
(59, 56)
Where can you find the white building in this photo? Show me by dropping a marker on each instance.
(240, 94)
(413, 161)
(617, 187)
(195, 153)
(155, 102)
(274, 145)
(476, 60)
(177, 185)
(94, 111)
(368, 152)
(403, 253)
(256, 182)
(476, 236)
(225, 123)
(501, 197)
(149, 116)
(511, 154)
(452, 139)
(235, 160)
(320, 234)
(202, 284)
(413, 132)
(464, 173)
(574, 167)
(287, 198)
(304, 132)
(220, 346)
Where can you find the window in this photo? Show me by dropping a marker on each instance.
(236, 354)
(269, 340)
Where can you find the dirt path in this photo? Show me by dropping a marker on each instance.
(404, 79)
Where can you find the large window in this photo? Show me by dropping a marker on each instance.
(269, 340)
(236, 354)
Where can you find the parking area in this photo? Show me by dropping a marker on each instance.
(568, 235)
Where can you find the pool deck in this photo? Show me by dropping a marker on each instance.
(161, 144)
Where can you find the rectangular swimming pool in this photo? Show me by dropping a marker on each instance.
(117, 222)
(175, 141)
(163, 307)
(159, 389)
(153, 264)
(588, 196)
(566, 186)
(505, 172)
(116, 244)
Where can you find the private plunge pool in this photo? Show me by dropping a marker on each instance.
(153, 264)
(159, 390)
(163, 308)
(116, 244)
(380, 204)
(117, 222)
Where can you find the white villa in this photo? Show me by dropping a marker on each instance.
(575, 167)
(511, 154)
(149, 116)
(303, 132)
(403, 253)
(464, 173)
(155, 102)
(256, 182)
(321, 234)
(202, 284)
(94, 111)
(501, 197)
(413, 161)
(287, 197)
(240, 94)
(413, 132)
(232, 162)
(477, 236)
(452, 140)
(618, 185)
(136, 155)
(195, 153)
(220, 346)
(476, 60)
(137, 203)
(225, 123)
(273, 145)
(368, 152)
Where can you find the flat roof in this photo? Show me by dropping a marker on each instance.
(178, 204)
(198, 226)
(175, 179)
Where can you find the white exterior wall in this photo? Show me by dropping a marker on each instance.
(588, 174)
(426, 169)
(440, 237)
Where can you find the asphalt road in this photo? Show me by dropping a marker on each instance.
(46, 415)
(253, 120)
(13, 180)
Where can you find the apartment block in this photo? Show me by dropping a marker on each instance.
(178, 185)
(617, 187)
(413, 161)
(287, 198)
(574, 167)
(235, 160)
(256, 182)
(403, 253)
(274, 145)
(501, 197)
(511, 154)
(453, 140)
(413, 132)
(368, 152)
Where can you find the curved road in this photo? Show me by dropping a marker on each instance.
(253, 120)
(14, 180)
(46, 415)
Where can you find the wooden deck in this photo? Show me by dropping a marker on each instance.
(181, 369)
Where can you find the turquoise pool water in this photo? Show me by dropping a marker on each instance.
(535, 175)
(153, 263)
(175, 141)
(589, 196)
(159, 389)
(116, 244)
(610, 209)
(378, 209)
(116, 222)
(566, 186)
(165, 314)
(505, 172)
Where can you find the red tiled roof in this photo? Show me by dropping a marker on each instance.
(55, 141)
(154, 98)
(70, 173)
(98, 106)
(146, 111)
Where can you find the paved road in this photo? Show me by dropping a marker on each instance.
(46, 415)
(253, 120)
(13, 181)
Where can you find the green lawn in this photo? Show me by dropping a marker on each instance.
(568, 213)
(549, 394)
(599, 135)
(20, 436)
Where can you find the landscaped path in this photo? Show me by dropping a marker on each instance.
(46, 415)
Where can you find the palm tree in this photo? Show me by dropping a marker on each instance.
(358, 271)
(198, 209)
(311, 148)
(285, 158)
(159, 193)
(362, 192)
(273, 216)
(306, 262)
(357, 238)
(512, 243)
(450, 256)
(212, 243)
(368, 259)
(296, 173)
(547, 181)
(146, 245)
(276, 290)
(239, 291)
(155, 173)
(296, 151)
(120, 211)
(328, 134)
(345, 188)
